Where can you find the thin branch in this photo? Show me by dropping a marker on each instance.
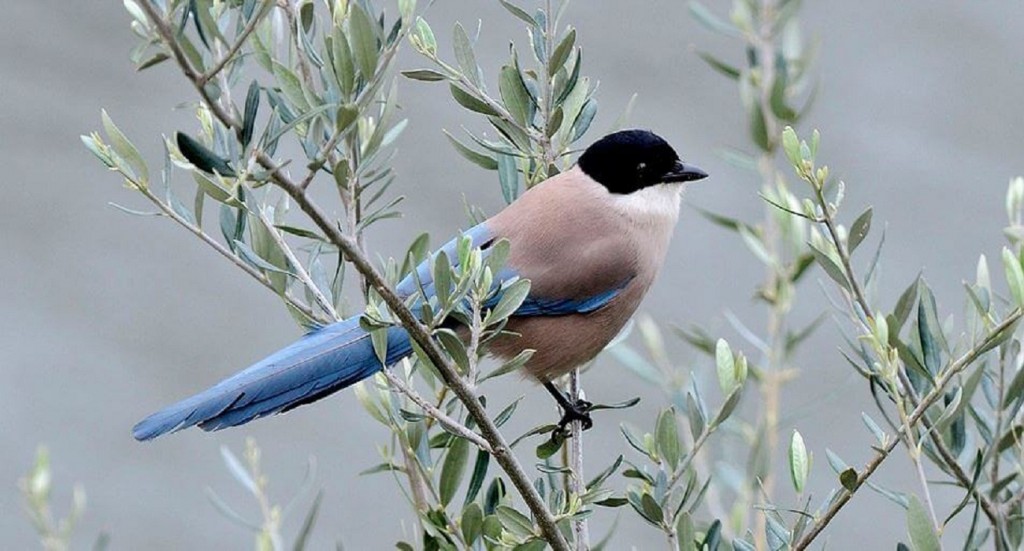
(300, 271)
(450, 424)
(226, 253)
(577, 486)
(844, 253)
(239, 42)
(501, 451)
(990, 510)
(929, 399)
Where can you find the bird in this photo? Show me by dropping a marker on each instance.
(590, 240)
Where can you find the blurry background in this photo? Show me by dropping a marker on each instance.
(107, 317)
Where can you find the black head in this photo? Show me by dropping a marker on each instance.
(630, 160)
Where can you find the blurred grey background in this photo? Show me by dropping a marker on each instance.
(107, 317)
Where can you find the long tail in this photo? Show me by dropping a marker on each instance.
(316, 365)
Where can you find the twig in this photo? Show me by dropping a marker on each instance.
(239, 42)
(929, 399)
(217, 246)
(301, 272)
(577, 486)
(990, 510)
(450, 424)
(501, 451)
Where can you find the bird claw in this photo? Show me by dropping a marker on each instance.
(579, 411)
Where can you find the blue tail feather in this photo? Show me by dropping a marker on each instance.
(316, 365)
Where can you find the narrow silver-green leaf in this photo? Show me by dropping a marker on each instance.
(426, 75)
(831, 268)
(799, 462)
(364, 41)
(860, 228)
(667, 437)
(464, 54)
(919, 525)
(508, 177)
(453, 468)
(562, 51)
(470, 102)
(511, 299)
(125, 149)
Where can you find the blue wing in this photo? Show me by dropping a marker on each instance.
(331, 358)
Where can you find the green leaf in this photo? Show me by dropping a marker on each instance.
(379, 340)
(1014, 276)
(454, 346)
(252, 105)
(550, 446)
(426, 36)
(510, 366)
(250, 256)
(799, 462)
(720, 66)
(584, 119)
(561, 53)
(476, 480)
(514, 94)
(1015, 390)
(903, 306)
(470, 102)
(514, 521)
(464, 54)
(859, 230)
(211, 188)
(686, 532)
(346, 115)
(291, 86)
(508, 177)
(711, 21)
(791, 145)
(919, 525)
(472, 523)
(667, 437)
(307, 524)
(203, 159)
(364, 41)
(777, 100)
(727, 407)
(726, 366)
(695, 415)
(511, 299)
(651, 510)
(344, 67)
(426, 75)
(927, 330)
(300, 232)
(125, 149)
(831, 268)
(759, 128)
(483, 161)
(453, 468)
(518, 12)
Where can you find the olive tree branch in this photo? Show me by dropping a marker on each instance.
(451, 425)
(256, 274)
(926, 402)
(240, 40)
(300, 272)
(417, 331)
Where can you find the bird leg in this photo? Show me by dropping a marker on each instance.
(572, 411)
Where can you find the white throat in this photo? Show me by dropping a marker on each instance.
(654, 205)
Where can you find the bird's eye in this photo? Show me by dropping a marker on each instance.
(640, 167)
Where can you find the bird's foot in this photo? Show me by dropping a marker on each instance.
(576, 411)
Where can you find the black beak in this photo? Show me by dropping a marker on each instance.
(682, 172)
